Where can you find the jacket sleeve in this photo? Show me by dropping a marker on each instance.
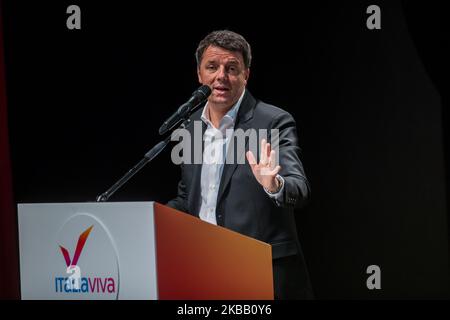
(296, 188)
(180, 202)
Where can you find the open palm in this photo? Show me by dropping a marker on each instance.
(266, 170)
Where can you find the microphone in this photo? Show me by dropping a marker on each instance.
(198, 96)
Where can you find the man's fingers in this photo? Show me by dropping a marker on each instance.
(265, 171)
(276, 170)
(273, 159)
(263, 152)
(251, 159)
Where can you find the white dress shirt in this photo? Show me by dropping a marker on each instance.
(214, 154)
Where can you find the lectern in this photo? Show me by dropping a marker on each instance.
(135, 250)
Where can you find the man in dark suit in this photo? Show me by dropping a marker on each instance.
(255, 198)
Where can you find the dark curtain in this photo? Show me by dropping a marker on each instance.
(9, 280)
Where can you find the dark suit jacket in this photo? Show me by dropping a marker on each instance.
(242, 203)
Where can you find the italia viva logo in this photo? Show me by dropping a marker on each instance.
(75, 282)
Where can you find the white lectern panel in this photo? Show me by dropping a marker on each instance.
(87, 251)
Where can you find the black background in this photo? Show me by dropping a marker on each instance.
(85, 105)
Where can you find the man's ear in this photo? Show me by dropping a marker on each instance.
(199, 76)
(247, 74)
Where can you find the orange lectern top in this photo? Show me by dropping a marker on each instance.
(198, 260)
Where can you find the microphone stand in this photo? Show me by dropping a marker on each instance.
(149, 156)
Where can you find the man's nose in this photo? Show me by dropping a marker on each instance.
(221, 73)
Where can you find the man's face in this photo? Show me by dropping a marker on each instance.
(224, 71)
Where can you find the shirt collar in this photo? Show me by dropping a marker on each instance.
(231, 114)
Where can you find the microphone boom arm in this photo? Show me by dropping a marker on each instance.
(180, 117)
(149, 156)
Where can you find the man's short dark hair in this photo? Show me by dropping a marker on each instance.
(227, 40)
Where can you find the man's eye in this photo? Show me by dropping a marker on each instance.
(233, 69)
(210, 67)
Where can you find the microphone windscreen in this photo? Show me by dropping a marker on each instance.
(205, 90)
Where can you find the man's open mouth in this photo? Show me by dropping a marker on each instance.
(221, 89)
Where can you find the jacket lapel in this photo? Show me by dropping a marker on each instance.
(195, 197)
(243, 122)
